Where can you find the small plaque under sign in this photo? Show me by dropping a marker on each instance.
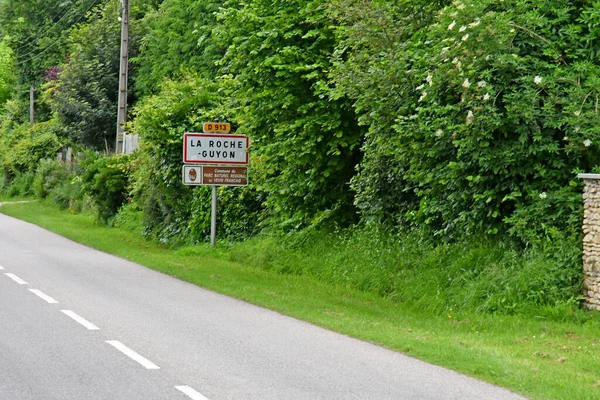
(225, 176)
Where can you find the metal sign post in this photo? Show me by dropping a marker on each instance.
(213, 217)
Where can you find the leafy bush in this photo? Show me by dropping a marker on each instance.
(21, 185)
(22, 148)
(106, 181)
(495, 112)
(131, 218)
(305, 143)
(48, 175)
(240, 213)
(68, 194)
(177, 39)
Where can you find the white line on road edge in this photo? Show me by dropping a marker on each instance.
(132, 354)
(80, 320)
(191, 393)
(16, 279)
(43, 296)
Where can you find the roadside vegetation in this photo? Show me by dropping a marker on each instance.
(419, 154)
(544, 352)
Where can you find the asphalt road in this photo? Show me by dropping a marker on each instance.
(80, 324)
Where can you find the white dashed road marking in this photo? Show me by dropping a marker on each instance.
(87, 324)
(16, 279)
(191, 393)
(43, 296)
(132, 354)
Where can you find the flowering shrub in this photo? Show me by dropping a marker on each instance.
(499, 112)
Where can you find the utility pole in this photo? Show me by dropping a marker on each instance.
(123, 72)
(31, 107)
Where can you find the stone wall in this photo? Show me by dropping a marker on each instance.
(591, 240)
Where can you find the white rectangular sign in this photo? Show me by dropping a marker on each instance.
(213, 148)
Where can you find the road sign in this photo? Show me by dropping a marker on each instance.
(216, 127)
(213, 148)
(214, 175)
(225, 176)
(192, 175)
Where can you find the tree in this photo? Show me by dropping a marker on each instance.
(7, 73)
(178, 37)
(83, 92)
(306, 144)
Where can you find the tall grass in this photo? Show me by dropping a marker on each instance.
(471, 275)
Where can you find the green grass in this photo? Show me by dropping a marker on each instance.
(541, 357)
(4, 198)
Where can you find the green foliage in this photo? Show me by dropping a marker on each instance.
(49, 174)
(7, 73)
(466, 118)
(240, 213)
(130, 218)
(106, 181)
(173, 212)
(83, 92)
(178, 38)
(305, 144)
(161, 122)
(498, 113)
(20, 185)
(470, 275)
(21, 152)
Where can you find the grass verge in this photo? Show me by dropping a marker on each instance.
(538, 357)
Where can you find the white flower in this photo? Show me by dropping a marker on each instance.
(466, 83)
(429, 79)
(469, 119)
(439, 133)
(454, 60)
(465, 37)
(462, 28)
(587, 142)
(537, 80)
(543, 195)
(420, 87)
(474, 24)
(486, 97)
(423, 96)
(576, 129)
(481, 84)
(452, 25)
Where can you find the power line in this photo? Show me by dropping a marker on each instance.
(56, 41)
(33, 51)
(40, 33)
